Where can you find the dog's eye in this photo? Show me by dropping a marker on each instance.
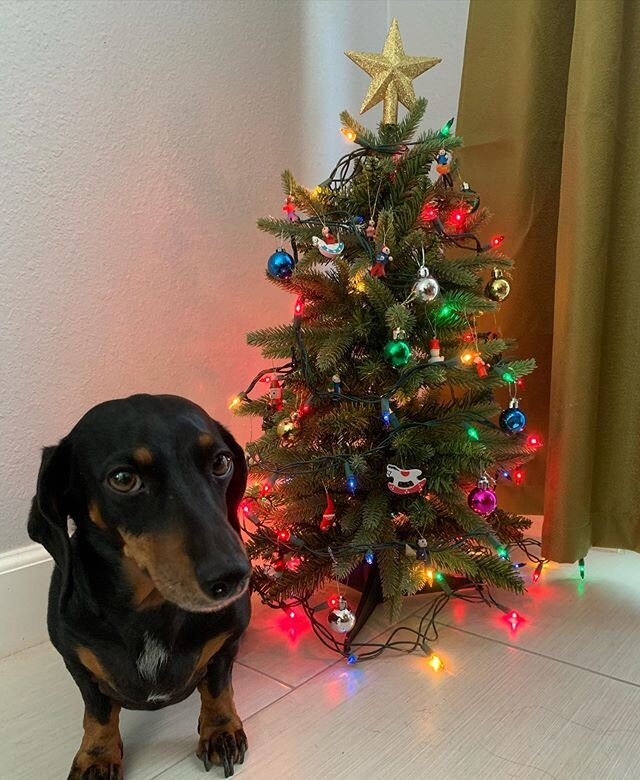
(221, 465)
(124, 481)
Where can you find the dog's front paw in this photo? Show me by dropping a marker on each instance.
(95, 767)
(222, 745)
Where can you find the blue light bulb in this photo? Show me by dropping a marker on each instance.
(351, 659)
(369, 557)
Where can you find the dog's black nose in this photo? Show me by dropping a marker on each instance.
(228, 584)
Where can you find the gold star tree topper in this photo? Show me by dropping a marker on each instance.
(392, 74)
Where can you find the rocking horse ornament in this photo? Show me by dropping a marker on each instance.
(405, 481)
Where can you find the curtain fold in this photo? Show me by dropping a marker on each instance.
(550, 104)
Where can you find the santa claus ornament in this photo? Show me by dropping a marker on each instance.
(329, 514)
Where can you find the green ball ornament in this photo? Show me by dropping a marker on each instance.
(397, 352)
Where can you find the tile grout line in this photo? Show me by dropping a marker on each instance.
(542, 655)
(531, 652)
(265, 674)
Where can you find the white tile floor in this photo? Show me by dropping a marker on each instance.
(558, 698)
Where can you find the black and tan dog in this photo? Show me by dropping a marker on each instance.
(149, 596)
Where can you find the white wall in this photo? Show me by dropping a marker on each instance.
(139, 141)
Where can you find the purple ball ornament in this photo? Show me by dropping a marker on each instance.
(482, 499)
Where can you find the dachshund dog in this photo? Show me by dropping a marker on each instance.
(150, 594)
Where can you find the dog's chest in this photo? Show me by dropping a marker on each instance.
(152, 672)
(151, 665)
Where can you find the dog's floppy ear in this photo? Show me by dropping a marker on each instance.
(49, 509)
(238, 483)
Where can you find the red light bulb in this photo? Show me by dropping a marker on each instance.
(279, 564)
(292, 614)
(496, 241)
(520, 382)
(299, 307)
(457, 217)
(534, 440)
(333, 601)
(514, 619)
(429, 213)
(284, 535)
(518, 476)
(265, 489)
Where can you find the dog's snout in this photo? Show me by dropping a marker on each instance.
(226, 584)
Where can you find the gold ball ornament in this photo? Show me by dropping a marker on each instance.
(498, 287)
(288, 430)
(392, 73)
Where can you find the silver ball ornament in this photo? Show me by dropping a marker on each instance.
(341, 619)
(426, 287)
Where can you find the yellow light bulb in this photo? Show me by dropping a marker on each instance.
(430, 575)
(467, 358)
(348, 133)
(236, 401)
(436, 663)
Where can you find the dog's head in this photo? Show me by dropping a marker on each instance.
(158, 479)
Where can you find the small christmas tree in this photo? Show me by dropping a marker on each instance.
(383, 433)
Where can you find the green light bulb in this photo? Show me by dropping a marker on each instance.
(508, 377)
(503, 552)
(445, 130)
(472, 433)
(581, 567)
(439, 576)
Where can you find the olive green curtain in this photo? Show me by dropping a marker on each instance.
(550, 113)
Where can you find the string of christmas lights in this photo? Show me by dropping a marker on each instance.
(418, 638)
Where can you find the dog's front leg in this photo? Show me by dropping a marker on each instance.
(100, 753)
(222, 738)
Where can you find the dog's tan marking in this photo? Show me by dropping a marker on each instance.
(218, 711)
(205, 440)
(96, 516)
(221, 737)
(143, 456)
(164, 557)
(145, 595)
(91, 662)
(101, 747)
(209, 649)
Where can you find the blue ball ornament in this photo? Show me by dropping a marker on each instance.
(280, 265)
(513, 420)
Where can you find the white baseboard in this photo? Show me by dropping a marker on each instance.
(24, 589)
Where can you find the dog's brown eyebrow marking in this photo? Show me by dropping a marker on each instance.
(143, 456)
(205, 439)
(96, 516)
